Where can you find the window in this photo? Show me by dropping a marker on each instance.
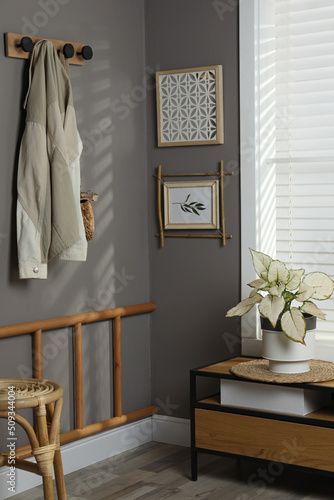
(287, 141)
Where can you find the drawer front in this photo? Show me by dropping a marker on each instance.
(273, 440)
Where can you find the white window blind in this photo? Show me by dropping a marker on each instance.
(304, 139)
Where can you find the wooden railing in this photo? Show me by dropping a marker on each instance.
(76, 321)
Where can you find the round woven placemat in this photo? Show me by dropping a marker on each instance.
(258, 369)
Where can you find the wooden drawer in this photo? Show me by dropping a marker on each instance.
(273, 440)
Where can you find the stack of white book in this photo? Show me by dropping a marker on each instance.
(275, 398)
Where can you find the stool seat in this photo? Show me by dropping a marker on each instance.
(27, 391)
(45, 398)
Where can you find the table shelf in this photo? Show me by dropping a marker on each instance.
(325, 414)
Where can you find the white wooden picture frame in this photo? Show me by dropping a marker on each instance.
(191, 205)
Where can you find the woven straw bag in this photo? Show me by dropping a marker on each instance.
(88, 218)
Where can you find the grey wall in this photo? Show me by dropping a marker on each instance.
(193, 281)
(113, 165)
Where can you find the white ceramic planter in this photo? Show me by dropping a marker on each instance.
(285, 355)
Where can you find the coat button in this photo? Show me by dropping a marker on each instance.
(36, 270)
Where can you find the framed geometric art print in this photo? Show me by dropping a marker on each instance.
(190, 106)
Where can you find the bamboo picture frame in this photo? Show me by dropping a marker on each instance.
(190, 106)
(213, 197)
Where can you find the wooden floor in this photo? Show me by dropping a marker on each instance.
(156, 471)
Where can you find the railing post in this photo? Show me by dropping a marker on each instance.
(117, 367)
(38, 356)
(78, 376)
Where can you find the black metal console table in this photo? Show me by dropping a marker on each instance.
(294, 440)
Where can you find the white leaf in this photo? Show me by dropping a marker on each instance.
(261, 263)
(310, 308)
(304, 293)
(271, 307)
(277, 290)
(278, 272)
(322, 285)
(257, 283)
(293, 325)
(244, 306)
(295, 279)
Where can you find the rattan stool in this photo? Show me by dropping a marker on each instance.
(45, 398)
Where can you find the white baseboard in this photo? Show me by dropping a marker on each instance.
(171, 430)
(85, 452)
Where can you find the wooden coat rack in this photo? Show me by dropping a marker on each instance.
(76, 53)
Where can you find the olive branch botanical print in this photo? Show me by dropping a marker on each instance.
(193, 207)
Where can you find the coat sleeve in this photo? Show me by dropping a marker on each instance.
(77, 251)
(33, 184)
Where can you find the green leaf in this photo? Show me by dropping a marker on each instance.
(201, 208)
(261, 263)
(184, 210)
(195, 211)
(310, 308)
(294, 279)
(321, 283)
(187, 198)
(278, 272)
(244, 306)
(271, 307)
(293, 325)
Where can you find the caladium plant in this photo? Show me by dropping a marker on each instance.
(275, 290)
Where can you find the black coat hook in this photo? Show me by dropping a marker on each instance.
(86, 52)
(68, 50)
(26, 44)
